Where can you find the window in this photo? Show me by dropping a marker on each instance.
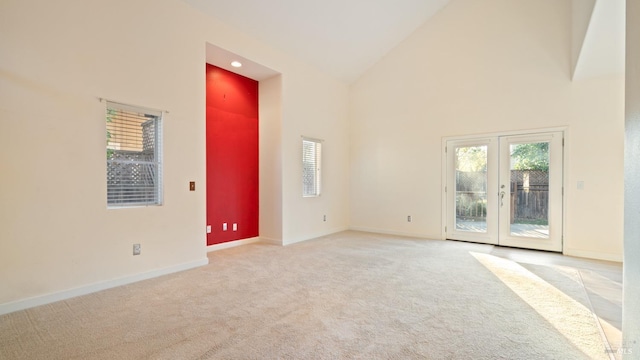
(311, 155)
(134, 156)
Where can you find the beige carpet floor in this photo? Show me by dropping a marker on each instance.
(347, 296)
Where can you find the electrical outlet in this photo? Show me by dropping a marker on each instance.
(136, 249)
(224, 226)
(409, 218)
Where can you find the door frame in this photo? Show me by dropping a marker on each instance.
(444, 165)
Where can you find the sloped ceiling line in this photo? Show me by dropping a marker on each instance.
(581, 11)
(345, 38)
(602, 50)
(341, 38)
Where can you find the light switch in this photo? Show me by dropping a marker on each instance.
(580, 185)
(235, 227)
(224, 226)
(192, 186)
(208, 229)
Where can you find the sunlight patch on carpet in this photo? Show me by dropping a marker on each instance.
(572, 319)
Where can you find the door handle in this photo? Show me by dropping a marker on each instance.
(501, 198)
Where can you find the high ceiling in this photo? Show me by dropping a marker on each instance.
(342, 38)
(345, 38)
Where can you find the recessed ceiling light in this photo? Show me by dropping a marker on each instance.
(236, 64)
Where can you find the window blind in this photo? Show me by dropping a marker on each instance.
(311, 155)
(134, 167)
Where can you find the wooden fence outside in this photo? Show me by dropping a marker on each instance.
(529, 198)
(131, 176)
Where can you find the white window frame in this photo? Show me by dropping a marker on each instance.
(124, 189)
(311, 167)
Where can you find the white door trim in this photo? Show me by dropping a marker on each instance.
(444, 164)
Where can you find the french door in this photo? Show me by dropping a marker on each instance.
(506, 190)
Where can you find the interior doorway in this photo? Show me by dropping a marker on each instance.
(506, 190)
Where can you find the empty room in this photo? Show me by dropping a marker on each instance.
(411, 179)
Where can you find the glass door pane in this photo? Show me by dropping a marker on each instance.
(472, 183)
(471, 188)
(529, 190)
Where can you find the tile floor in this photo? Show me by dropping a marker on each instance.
(602, 281)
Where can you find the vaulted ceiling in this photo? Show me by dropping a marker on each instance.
(598, 38)
(345, 38)
(342, 38)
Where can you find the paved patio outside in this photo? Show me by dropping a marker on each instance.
(524, 230)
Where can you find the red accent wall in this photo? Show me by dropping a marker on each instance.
(232, 155)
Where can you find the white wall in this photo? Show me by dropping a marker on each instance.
(474, 70)
(631, 270)
(57, 238)
(270, 218)
(321, 112)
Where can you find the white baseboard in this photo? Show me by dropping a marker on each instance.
(88, 289)
(231, 244)
(593, 255)
(315, 235)
(397, 233)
